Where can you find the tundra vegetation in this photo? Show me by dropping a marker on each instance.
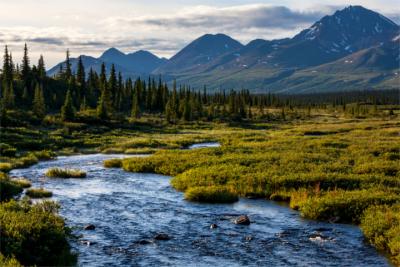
(331, 156)
(65, 173)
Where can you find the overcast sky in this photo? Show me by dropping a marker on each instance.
(89, 27)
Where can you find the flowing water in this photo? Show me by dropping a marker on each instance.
(129, 209)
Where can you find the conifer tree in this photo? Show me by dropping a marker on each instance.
(39, 106)
(135, 112)
(9, 97)
(25, 68)
(41, 69)
(80, 79)
(68, 70)
(68, 110)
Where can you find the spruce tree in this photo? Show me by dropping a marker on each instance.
(135, 112)
(25, 68)
(41, 69)
(80, 79)
(68, 70)
(9, 97)
(68, 110)
(39, 107)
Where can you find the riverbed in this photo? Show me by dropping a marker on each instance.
(130, 209)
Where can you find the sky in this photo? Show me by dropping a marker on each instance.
(89, 27)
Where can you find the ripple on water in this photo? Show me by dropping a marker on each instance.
(127, 208)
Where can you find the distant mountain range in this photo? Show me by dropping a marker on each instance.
(353, 49)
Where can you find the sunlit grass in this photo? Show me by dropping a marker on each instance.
(65, 173)
(38, 193)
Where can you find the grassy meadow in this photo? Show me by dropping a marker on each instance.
(328, 165)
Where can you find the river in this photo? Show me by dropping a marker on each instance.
(129, 209)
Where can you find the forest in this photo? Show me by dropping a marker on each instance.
(331, 156)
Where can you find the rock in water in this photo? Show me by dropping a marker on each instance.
(162, 237)
(243, 220)
(90, 227)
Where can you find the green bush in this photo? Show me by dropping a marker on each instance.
(211, 194)
(34, 235)
(9, 262)
(8, 188)
(381, 227)
(6, 150)
(113, 163)
(5, 167)
(22, 182)
(38, 193)
(44, 154)
(349, 206)
(65, 173)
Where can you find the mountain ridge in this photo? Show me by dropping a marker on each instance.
(304, 63)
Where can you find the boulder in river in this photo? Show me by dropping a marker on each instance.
(89, 227)
(243, 220)
(144, 242)
(213, 226)
(162, 236)
(87, 242)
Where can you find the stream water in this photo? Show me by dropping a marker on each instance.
(129, 209)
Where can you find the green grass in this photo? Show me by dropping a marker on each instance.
(38, 193)
(24, 183)
(8, 188)
(330, 168)
(381, 227)
(65, 173)
(5, 167)
(34, 235)
(211, 194)
(113, 163)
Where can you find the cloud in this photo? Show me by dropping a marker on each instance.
(165, 34)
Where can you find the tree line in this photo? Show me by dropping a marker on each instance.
(26, 86)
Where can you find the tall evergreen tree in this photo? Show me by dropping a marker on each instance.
(135, 112)
(41, 69)
(80, 79)
(25, 68)
(68, 69)
(68, 110)
(39, 106)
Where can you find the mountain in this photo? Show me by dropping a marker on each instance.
(353, 49)
(133, 64)
(298, 64)
(199, 52)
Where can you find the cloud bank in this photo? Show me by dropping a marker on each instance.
(164, 34)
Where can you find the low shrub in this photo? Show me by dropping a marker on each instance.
(65, 173)
(8, 188)
(5, 167)
(381, 227)
(6, 150)
(22, 182)
(38, 193)
(34, 235)
(347, 206)
(9, 262)
(211, 194)
(44, 154)
(113, 163)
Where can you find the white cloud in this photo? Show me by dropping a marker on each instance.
(163, 33)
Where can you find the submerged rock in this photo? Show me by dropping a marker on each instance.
(89, 227)
(249, 238)
(144, 242)
(162, 236)
(334, 219)
(242, 220)
(87, 242)
(213, 226)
